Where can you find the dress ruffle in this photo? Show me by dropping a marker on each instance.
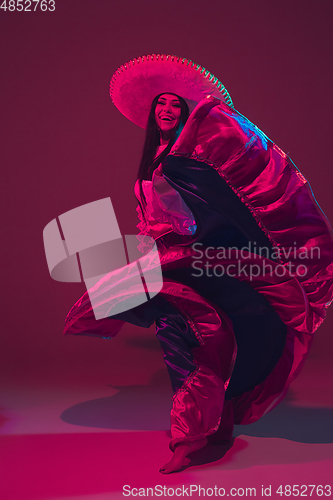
(216, 356)
(225, 177)
(267, 181)
(164, 206)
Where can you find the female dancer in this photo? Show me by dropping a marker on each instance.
(245, 253)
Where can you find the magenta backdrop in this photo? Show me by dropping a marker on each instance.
(64, 144)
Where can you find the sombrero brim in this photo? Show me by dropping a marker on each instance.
(136, 83)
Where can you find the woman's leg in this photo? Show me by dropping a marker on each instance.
(198, 374)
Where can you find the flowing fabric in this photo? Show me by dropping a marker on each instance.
(246, 255)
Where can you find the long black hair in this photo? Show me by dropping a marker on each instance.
(148, 161)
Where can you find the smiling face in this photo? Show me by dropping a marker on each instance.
(167, 113)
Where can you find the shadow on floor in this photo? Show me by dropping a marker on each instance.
(134, 407)
(209, 454)
(304, 425)
(148, 408)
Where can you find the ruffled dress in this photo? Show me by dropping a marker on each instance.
(164, 205)
(246, 257)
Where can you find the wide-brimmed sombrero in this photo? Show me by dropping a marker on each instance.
(135, 84)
